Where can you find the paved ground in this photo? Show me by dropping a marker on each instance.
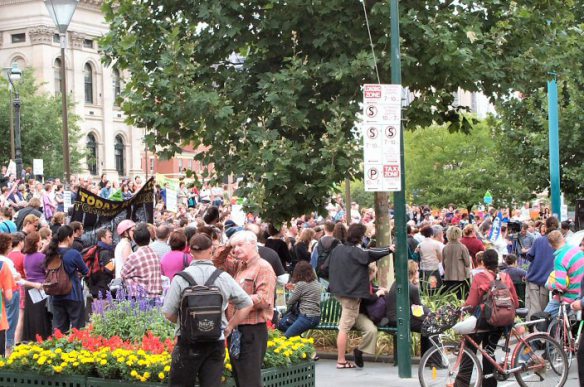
(386, 375)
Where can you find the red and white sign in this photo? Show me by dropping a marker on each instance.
(381, 137)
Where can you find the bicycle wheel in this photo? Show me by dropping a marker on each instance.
(440, 367)
(544, 362)
(558, 332)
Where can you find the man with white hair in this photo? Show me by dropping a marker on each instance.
(258, 279)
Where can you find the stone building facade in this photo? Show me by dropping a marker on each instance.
(29, 38)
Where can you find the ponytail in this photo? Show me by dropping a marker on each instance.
(52, 251)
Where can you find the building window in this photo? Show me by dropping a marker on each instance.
(180, 165)
(152, 165)
(116, 85)
(119, 155)
(191, 164)
(56, 38)
(19, 38)
(88, 80)
(87, 43)
(57, 76)
(91, 147)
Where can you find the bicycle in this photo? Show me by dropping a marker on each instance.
(536, 359)
(561, 329)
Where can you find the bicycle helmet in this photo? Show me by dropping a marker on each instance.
(124, 226)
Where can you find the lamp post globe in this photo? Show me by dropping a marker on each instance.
(14, 75)
(61, 11)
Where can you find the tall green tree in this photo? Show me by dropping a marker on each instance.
(523, 128)
(454, 167)
(272, 87)
(41, 127)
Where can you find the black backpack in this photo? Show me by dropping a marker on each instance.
(322, 262)
(200, 310)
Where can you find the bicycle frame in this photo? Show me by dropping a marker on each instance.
(506, 368)
(569, 341)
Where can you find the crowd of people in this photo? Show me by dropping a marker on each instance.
(449, 250)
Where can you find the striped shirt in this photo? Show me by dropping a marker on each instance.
(569, 271)
(308, 293)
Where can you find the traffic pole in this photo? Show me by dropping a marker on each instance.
(401, 256)
(554, 145)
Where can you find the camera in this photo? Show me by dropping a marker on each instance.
(514, 227)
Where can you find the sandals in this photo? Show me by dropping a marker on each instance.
(345, 365)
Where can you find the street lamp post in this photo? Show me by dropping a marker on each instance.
(61, 11)
(14, 74)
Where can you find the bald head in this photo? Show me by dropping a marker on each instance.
(162, 232)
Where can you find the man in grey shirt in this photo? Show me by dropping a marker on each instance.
(203, 362)
(160, 245)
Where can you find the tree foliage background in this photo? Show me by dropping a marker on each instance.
(273, 86)
(454, 167)
(41, 127)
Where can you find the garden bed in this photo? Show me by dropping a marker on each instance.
(297, 375)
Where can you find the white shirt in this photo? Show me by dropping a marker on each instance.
(118, 258)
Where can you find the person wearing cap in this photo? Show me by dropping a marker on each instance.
(203, 361)
(124, 247)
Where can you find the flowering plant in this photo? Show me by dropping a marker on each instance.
(283, 352)
(126, 364)
(130, 318)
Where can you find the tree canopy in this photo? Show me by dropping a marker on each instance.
(454, 167)
(41, 127)
(272, 87)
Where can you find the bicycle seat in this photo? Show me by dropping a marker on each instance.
(521, 312)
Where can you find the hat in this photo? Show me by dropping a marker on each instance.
(232, 231)
(230, 223)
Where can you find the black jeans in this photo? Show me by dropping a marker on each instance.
(202, 362)
(67, 314)
(489, 342)
(580, 358)
(247, 370)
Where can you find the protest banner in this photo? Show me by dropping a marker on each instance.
(95, 212)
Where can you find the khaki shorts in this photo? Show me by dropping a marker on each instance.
(349, 313)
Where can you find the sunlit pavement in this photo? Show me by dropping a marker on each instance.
(386, 375)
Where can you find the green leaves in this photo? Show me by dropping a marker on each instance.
(281, 113)
(41, 127)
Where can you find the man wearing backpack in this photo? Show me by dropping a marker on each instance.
(99, 260)
(326, 244)
(202, 361)
(480, 295)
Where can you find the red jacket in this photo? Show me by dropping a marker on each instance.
(480, 286)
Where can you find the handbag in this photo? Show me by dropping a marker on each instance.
(376, 311)
(289, 317)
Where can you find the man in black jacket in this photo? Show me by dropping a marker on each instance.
(349, 282)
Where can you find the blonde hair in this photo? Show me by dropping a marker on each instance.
(555, 238)
(306, 236)
(453, 233)
(412, 268)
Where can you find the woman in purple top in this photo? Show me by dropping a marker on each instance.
(176, 260)
(37, 319)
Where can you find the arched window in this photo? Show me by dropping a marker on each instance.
(116, 85)
(119, 155)
(91, 147)
(88, 80)
(57, 76)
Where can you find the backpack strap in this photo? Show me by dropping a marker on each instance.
(187, 277)
(185, 261)
(213, 277)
